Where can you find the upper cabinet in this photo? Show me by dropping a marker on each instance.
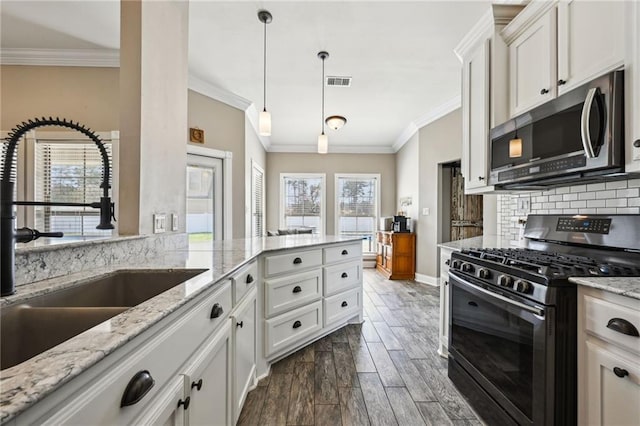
(632, 87)
(557, 46)
(483, 54)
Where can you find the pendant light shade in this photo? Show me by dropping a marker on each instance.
(264, 120)
(323, 140)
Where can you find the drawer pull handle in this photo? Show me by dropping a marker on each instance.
(620, 372)
(297, 324)
(249, 279)
(344, 304)
(345, 252)
(623, 326)
(138, 387)
(185, 403)
(240, 324)
(344, 275)
(216, 311)
(297, 289)
(297, 261)
(197, 385)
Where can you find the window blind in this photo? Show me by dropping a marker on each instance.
(357, 206)
(303, 202)
(68, 171)
(258, 204)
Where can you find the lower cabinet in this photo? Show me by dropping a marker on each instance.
(168, 408)
(443, 340)
(244, 351)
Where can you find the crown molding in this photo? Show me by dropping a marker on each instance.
(334, 149)
(109, 58)
(219, 94)
(428, 118)
(524, 19)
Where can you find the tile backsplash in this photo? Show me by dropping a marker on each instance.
(595, 198)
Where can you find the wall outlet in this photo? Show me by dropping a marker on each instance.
(159, 223)
(425, 211)
(174, 222)
(524, 204)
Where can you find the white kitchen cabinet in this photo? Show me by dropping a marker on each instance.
(169, 408)
(484, 92)
(632, 86)
(244, 351)
(443, 341)
(558, 45)
(608, 358)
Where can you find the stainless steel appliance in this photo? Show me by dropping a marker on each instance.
(577, 136)
(512, 337)
(386, 223)
(400, 224)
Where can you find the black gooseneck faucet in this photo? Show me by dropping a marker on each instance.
(8, 234)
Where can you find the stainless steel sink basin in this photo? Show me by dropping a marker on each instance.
(45, 321)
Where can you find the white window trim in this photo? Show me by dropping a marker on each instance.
(256, 167)
(323, 198)
(337, 177)
(227, 207)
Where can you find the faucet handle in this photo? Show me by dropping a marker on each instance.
(24, 235)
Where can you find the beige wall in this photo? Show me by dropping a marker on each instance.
(439, 142)
(407, 181)
(254, 151)
(330, 164)
(224, 129)
(83, 94)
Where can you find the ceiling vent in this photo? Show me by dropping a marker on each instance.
(338, 81)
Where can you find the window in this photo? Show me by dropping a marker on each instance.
(302, 201)
(358, 206)
(257, 200)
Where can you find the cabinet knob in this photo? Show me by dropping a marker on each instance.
(480, 177)
(623, 326)
(240, 324)
(447, 262)
(216, 311)
(344, 275)
(544, 91)
(297, 324)
(562, 82)
(197, 385)
(297, 261)
(249, 279)
(344, 304)
(344, 252)
(636, 143)
(297, 289)
(185, 403)
(472, 303)
(620, 372)
(138, 387)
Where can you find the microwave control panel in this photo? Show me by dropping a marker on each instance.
(586, 225)
(558, 165)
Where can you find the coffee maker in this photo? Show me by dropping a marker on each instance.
(400, 224)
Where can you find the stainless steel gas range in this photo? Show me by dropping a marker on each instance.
(512, 337)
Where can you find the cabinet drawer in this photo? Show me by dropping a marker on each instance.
(286, 293)
(244, 280)
(342, 306)
(599, 313)
(161, 355)
(292, 327)
(292, 261)
(341, 277)
(342, 252)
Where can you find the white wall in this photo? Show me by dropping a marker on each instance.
(407, 178)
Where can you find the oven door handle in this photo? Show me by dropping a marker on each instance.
(527, 308)
(585, 118)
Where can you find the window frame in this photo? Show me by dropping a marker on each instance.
(256, 168)
(337, 216)
(323, 198)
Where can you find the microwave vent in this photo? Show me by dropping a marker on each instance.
(338, 81)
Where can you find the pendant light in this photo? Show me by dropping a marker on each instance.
(515, 146)
(323, 140)
(264, 121)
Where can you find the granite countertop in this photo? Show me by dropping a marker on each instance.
(27, 383)
(626, 286)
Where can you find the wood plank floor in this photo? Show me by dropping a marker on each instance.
(383, 372)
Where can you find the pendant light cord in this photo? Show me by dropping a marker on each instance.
(264, 68)
(322, 118)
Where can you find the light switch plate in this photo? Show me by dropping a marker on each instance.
(174, 222)
(159, 223)
(425, 211)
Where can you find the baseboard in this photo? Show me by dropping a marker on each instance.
(426, 279)
(369, 264)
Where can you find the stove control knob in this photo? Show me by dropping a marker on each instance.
(505, 281)
(467, 267)
(484, 273)
(456, 264)
(523, 286)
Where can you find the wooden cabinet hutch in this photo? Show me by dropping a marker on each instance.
(396, 255)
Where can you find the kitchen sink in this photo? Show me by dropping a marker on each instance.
(42, 322)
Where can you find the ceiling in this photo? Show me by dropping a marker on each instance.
(400, 55)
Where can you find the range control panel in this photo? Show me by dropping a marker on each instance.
(586, 225)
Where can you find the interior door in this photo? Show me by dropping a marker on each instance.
(204, 199)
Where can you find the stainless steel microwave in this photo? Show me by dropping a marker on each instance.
(578, 136)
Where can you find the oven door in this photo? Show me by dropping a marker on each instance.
(503, 342)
